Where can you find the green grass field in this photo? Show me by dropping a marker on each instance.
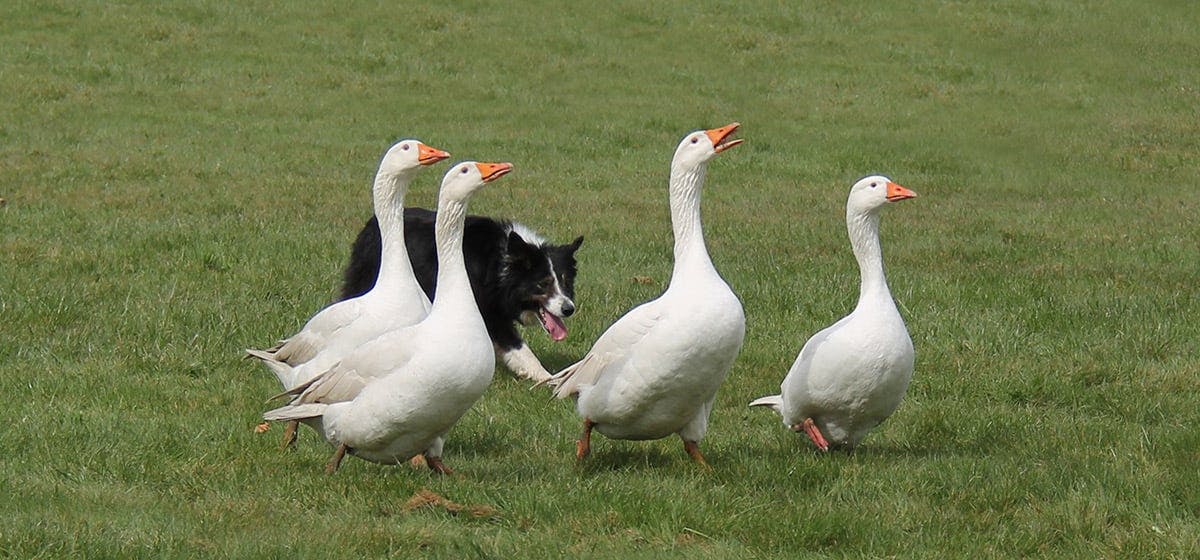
(183, 180)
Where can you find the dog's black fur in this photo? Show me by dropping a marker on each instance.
(510, 275)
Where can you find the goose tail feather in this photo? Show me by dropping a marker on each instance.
(773, 401)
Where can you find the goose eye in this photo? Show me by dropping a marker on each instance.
(404, 147)
(464, 170)
(694, 139)
(873, 185)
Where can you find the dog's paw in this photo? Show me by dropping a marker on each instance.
(524, 364)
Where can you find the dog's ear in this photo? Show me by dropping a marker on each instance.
(574, 246)
(516, 244)
(517, 250)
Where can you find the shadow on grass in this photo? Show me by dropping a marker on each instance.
(619, 455)
(625, 458)
(923, 451)
(481, 444)
(794, 447)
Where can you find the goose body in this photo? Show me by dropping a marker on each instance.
(397, 395)
(656, 370)
(852, 375)
(395, 301)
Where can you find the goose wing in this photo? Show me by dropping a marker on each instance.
(346, 379)
(302, 346)
(610, 350)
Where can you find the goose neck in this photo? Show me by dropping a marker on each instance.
(388, 196)
(863, 228)
(690, 250)
(453, 287)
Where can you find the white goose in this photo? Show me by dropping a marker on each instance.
(852, 375)
(396, 396)
(656, 371)
(395, 301)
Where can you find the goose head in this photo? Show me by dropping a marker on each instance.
(700, 146)
(870, 194)
(407, 156)
(464, 178)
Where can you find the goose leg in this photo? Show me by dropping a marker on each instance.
(336, 460)
(432, 457)
(809, 427)
(693, 450)
(437, 466)
(583, 447)
(289, 434)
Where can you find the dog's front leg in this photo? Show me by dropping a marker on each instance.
(522, 362)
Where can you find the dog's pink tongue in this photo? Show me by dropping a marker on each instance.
(554, 326)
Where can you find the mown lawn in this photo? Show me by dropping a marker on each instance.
(183, 180)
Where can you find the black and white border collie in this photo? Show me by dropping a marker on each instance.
(517, 276)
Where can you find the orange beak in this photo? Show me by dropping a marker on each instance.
(492, 171)
(896, 193)
(720, 137)
(427, 155)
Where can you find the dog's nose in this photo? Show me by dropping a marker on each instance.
(568, 309)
